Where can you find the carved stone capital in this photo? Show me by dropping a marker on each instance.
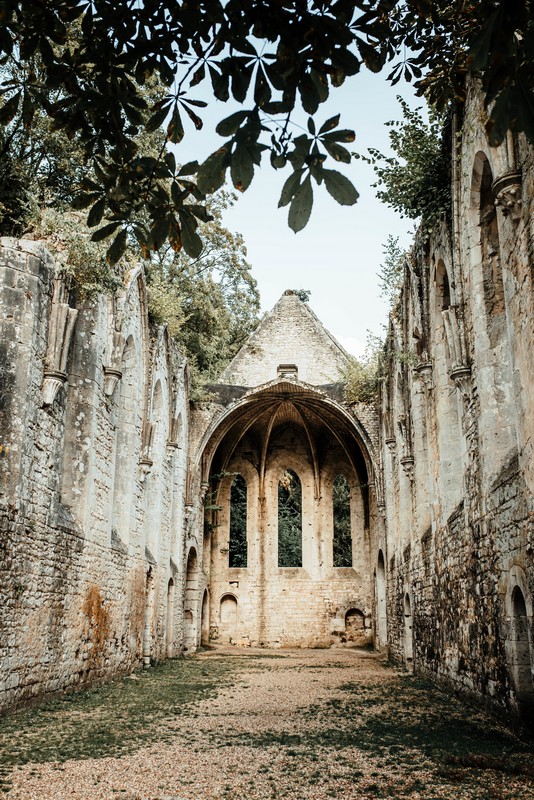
(52, 383)
(461, 375)
(172, 448)
(424, 371)
(407, 463)
(507, 191)
(111, 378)
(391, 443)
(145, 465)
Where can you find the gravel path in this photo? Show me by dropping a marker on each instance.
(299, 724)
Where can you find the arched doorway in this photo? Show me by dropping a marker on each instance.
(191, 601)
(381, 612)
(521, 656)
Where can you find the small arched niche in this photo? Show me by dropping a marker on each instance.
(228, 617)
(355, 630)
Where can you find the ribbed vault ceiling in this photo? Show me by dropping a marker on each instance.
(260, 414)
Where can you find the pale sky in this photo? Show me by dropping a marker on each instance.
(337, 255)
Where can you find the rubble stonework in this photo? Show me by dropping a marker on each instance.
(115, 491)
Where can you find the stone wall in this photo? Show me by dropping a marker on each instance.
(93, 422)
(457, 425)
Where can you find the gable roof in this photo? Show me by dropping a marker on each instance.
(290, 334)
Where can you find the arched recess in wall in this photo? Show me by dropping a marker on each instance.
(490, 333)
(169, 630)
(408, 632)
(155, 478)
(191, 601)
(341, 510)
(150, 592)
(228, 617)
(289, 519)
(381, 607)
(355, 631)
(522, 660)
(237, 543)
(447, 357)
(490, 251)
(205, 620)
(127, 443)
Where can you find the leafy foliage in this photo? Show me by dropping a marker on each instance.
(391, 271)
(342, 526)
(289, 520)
(76, 255)
(303, 294)
(211, 303)
(361, 379)
(237, 554)
(270, 58)
(416, 180)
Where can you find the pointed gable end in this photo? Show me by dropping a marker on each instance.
(290, 341)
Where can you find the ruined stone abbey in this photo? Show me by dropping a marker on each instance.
(136, 526)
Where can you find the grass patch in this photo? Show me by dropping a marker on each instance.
(112, 719)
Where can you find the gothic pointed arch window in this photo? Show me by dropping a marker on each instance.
(237, 548)
(289, 520)
(342, 540)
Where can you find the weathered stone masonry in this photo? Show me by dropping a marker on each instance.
(115, 494)
(93, 420)
(457, 432)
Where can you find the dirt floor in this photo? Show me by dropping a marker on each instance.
(263, 724)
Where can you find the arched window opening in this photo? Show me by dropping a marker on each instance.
(289, 520)
(443, 289)
(521, 652)
(169, 632)
(491, 265)
(381, 612)
(408, 632)
(342, 526)
(237, 552)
